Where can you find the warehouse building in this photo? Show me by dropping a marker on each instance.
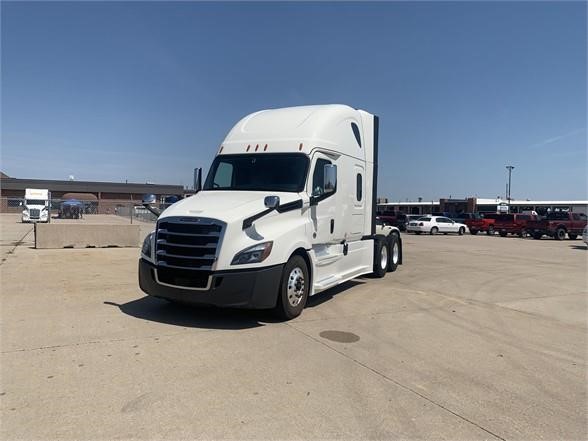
(100, 197)
(480, 205)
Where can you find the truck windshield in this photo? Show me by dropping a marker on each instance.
(258, 172)
(35, 202)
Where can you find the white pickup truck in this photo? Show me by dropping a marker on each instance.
(287, 211)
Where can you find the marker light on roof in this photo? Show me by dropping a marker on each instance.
(300, 147)
(256, 147)
(221, 149)
(265, 148)
(248, 147)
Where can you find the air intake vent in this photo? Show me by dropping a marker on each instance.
(187, 243)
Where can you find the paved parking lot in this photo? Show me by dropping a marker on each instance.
(474, 337)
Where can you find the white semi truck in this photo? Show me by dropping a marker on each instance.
(288, 210)
(37, 205)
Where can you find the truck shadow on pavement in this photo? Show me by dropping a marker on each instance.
(579, 247)
(161, 311)
(189, 316)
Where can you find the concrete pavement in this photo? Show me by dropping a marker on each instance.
(472, 338)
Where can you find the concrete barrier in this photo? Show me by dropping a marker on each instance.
(55, 235)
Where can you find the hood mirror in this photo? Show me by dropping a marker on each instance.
(149, 201)
(272, 202)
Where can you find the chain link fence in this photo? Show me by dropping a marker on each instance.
(129, 209)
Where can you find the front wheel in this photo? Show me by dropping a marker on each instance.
(434, 230)
(461, 231)
(381, 256)
(293, 289)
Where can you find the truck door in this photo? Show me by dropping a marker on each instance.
(323, 210)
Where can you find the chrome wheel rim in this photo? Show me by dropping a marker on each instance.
(295, 289)
(384, 258)
(395, 253)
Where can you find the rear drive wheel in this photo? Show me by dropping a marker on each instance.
(394, 248)
(560, 234)
(572, 236)
(434, 230)
(537, 236)
(502, 234)
(461, 231)
(381, 256)
(474, 232)
(490, 231)
(293, 288)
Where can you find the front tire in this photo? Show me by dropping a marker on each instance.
(381, 257)
(434, 231)
(461, 231)
(294, 288)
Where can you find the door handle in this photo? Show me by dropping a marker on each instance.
(332, 225)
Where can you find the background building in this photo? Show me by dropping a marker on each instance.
(99, 197)
(481, 205)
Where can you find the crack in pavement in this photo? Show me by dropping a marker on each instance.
(403, 386)
(18, 243)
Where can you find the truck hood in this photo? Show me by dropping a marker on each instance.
(227, 206)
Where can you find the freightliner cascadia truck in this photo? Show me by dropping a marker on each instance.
(288, 210)
(37, 205)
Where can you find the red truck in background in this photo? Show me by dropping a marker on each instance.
(476, 222)
(513, 223)
(558, 224)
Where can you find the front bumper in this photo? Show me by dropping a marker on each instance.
(251, 288)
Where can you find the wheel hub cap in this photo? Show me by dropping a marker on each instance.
(295, 286)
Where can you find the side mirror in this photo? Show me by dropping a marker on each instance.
(148, 200)
(272, 202)
(330, 178)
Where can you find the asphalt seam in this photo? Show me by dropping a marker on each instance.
(93, 342)
(16, 245)
(403, 386)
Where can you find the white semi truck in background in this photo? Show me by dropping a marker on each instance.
(37, 205)
(287, 211)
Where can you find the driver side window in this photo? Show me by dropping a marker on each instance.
(224, 175)
(318, 177)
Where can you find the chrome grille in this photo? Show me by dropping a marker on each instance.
(34, 212)
(189, 243)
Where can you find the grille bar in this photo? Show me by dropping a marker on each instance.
(187, 243)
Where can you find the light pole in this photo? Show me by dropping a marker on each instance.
(509, 168)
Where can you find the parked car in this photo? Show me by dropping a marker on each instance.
(436, 224)
(513, 223)
(410, 218)
(393, 218)
(558, 224)
(481, 222)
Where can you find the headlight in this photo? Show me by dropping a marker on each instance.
(255, 254)
(146, 248)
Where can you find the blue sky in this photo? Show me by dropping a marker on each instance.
(147, 91)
